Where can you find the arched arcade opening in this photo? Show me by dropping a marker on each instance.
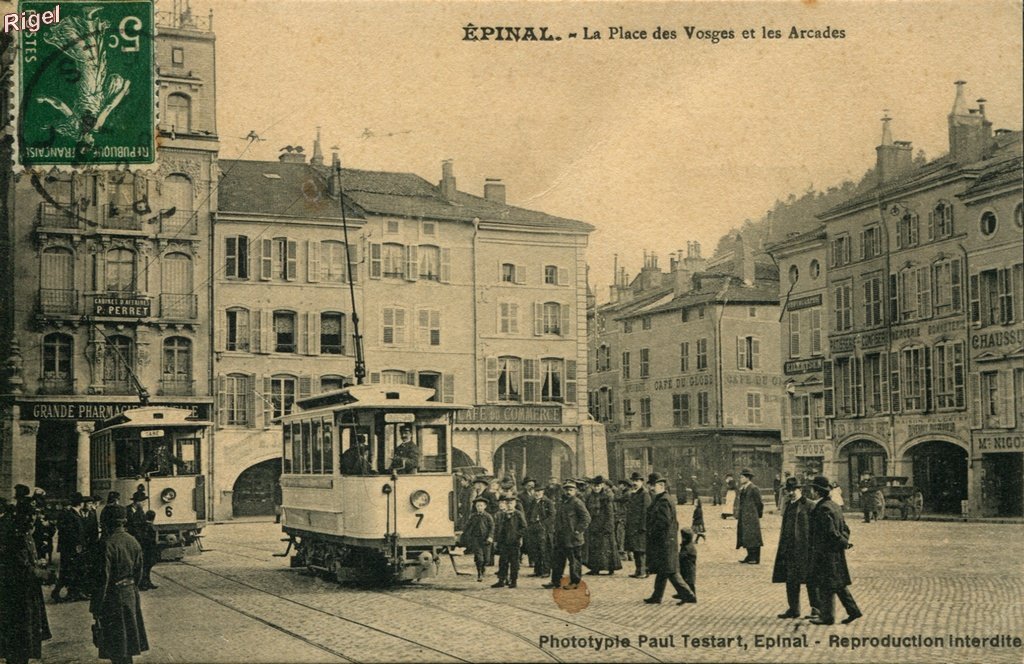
(939, 469)
(253, 492)
(541, 457)
(856, 458)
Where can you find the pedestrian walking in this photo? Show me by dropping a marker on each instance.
(23, 622)
(729, 503)
(524, 502)
(663, 544)
(639, 500)
(478, 535)
(601, 551)
(716, 489)
(866, 485)
(688, 561)
(568, 536)
(620, 496)
(539, 523)
(71, 548)
(92, 523)
(136, 524)
(150, 551)
(697, 524)
(829, 574)
(508, 538)
(694, 489)
(115, 605)
(748, 517)
(792, 560)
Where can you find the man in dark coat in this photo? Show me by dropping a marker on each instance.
(92, 522)
(150, 551)
(716, 489)
(23, 623)
(866, 485)
(602, 553)
(478, 535)
(539, 524)
(115, 605)
(481, 490)
(136, 525)
(639, 500)
(524, 501)
(792, 558)
(620, 494)
(748, 517)
(830, 538)
(568, 536)
(71, 545)
(663, 545)
(508, 539)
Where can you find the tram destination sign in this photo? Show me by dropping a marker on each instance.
(78, 411)
(133, 307)
(510, 415)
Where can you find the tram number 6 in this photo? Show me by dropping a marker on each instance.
(169, 510)
(419, 519)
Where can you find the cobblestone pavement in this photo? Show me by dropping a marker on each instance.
(237, 603)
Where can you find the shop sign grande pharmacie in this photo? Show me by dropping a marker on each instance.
(86, 84)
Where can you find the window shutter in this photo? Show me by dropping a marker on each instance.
(256, 331)
(956, 285)
(975, 296)
(313, 260)
(305, 386)
(741, 353)
(538, 318)
(563, 309)
(222, 411)
(863, 244)
(755, 353)
(925, 372)
(266, 259)
(900, 225)
(531, 380)
(883, 381)
(975, 387)
(931, 225)
(375, 260)
(924, 292)
(448, 389)
(829, 392)
(563, 276)
(412, 262)
(243, 257)
(520, 274)
(250, 399)
(399, 325)
(410, 377)
(1007, 418)
(491, 379)
(794, 334)
(513, 318)
(423, 328)
(446, 266)
(435, 325)
(219, 329)
(894, 381)
(894, 299)
(231, 257)
(571, 396)
(375, 377)
(269, 340)
(815, 331)
(858, 384)
(312, 333)
(958, 374)
(268, 403)
(1018, 293)
(501, 313)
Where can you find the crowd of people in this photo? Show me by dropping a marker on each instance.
(595, 524)
(104, 557)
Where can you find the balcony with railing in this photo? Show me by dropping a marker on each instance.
(56, 385)
(180, 306)
(182, 18)
(121, 217)
(54, 216)
(58, 301)
(176, 387)
(181, 222)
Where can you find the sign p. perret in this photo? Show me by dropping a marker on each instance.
(86, 84)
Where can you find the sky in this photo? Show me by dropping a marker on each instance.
(653, 142)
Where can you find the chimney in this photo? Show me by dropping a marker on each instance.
(292, 155)
(318, 157)
(970, 133)
(682, 275)
(743, 258)
(894, 158)
(447, 182)
(494, 190)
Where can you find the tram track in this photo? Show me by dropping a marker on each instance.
(462, 596)
(445, 655)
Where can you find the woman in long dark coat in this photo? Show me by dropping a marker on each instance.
(663, 545)
(115, 603)
(601, 551)
(23, 623)
(637, 504)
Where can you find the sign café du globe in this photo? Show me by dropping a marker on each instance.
(86, 83)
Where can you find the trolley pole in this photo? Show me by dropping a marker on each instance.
(357, 338)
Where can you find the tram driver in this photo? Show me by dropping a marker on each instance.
(161, 460)
(407, 453)
(355, 460)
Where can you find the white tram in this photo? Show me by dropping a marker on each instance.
(158, 450)
(367, 485)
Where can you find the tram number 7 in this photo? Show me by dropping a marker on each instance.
(419, 519)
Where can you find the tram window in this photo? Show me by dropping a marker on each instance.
(356, 458)
(296, 447)
(328, 447)
(188, 453)
(316, 447)
(128, 456)
(305, 456)
(434, 449)
(160, 460)
(286, 452)
(407, 450)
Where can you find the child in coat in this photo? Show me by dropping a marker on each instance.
(688, 561)
(478, 535)
(698, 521)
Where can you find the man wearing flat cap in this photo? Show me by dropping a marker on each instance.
(830, 538)
(571, 521)
(600, 551)
(663, 545)
(748, 517)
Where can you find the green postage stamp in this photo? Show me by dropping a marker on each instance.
(86, 89)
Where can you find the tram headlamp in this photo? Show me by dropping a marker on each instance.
(419, 499)
(168, 494)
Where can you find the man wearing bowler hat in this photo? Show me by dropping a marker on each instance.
(136, 526)
(663, 545)
(830, 538)
(636, 523)
(748, 517)
(571, 521)
(793, 557)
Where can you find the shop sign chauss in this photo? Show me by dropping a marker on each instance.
(78, 411)
(510, 415)
(86, 85)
